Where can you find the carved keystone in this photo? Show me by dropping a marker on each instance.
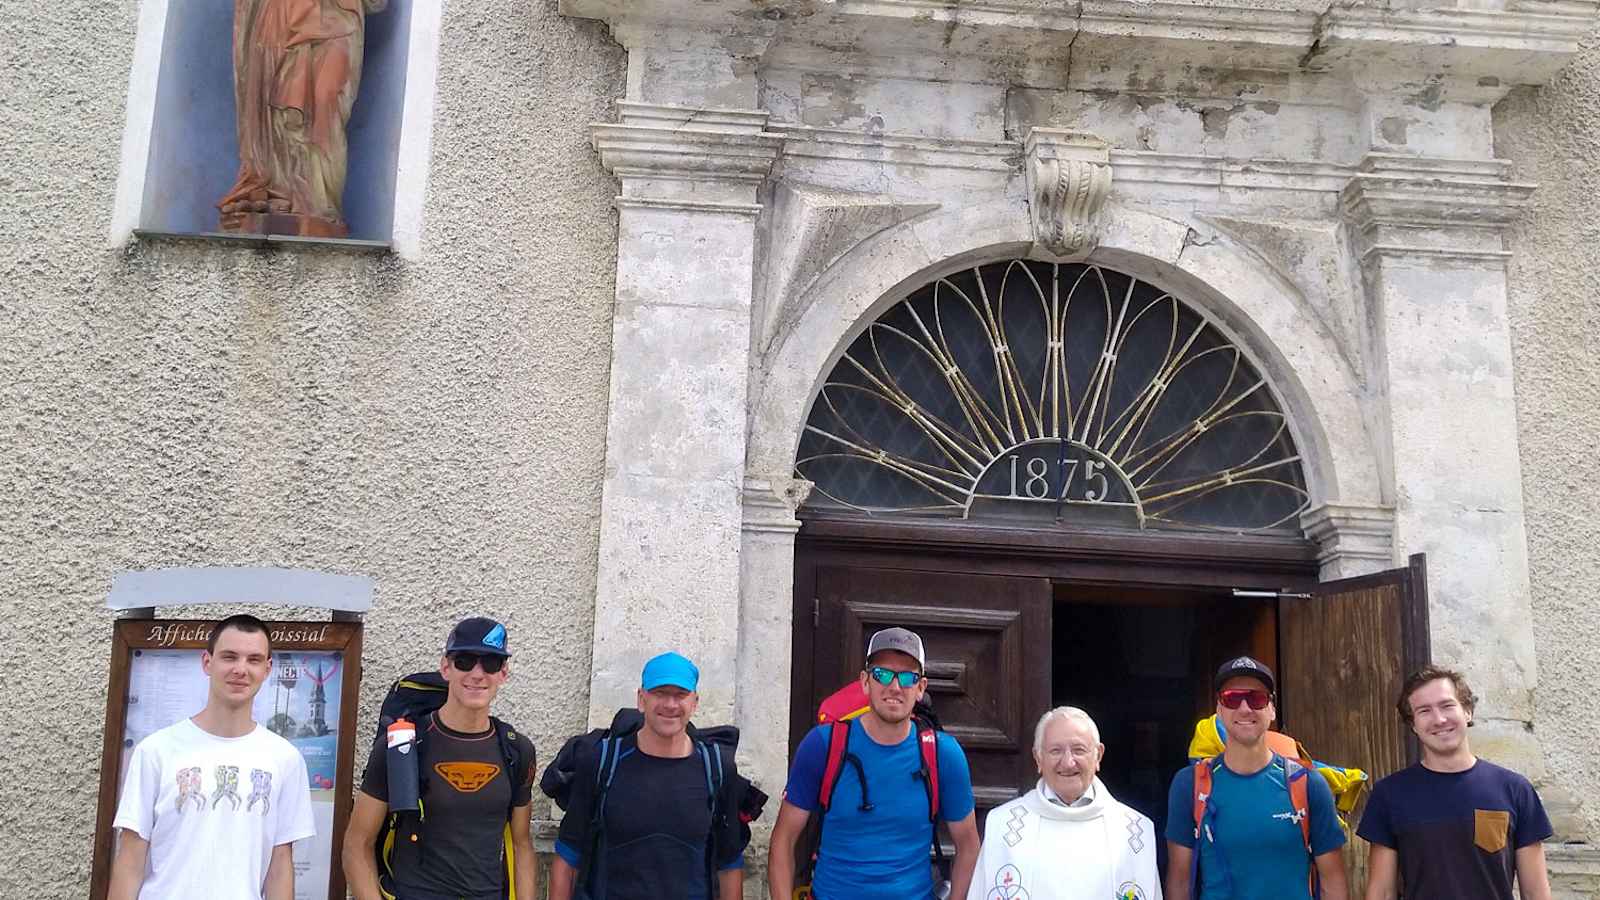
(1069, 178)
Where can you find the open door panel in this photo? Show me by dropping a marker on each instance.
(1345, 652)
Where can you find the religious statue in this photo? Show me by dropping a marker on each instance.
(296, 71)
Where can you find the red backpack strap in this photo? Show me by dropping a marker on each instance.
(928, 744)
(838, 741)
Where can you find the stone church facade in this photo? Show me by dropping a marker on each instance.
(579, 393)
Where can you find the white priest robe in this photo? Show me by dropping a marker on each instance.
(1036, 848)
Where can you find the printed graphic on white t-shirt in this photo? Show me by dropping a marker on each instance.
(184, 794)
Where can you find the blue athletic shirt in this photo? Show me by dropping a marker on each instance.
(881, 854)
(1258, 842)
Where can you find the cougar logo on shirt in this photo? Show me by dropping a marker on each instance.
(467, 777)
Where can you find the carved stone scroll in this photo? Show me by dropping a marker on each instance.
(1069, 178)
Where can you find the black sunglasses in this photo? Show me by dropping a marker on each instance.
(490, 662)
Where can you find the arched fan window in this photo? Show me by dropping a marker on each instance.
(1052, 392)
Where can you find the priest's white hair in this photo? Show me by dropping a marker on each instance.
(1063, 712)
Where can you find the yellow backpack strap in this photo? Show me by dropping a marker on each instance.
(511, 865)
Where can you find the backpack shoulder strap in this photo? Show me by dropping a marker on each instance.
(516, 766)
(1203, 769)
(928, 746)
(1297, 775)
(838, 742)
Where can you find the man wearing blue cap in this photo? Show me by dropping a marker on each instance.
(477, 775)
(654, 811)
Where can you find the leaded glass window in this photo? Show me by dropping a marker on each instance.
(1052, 393)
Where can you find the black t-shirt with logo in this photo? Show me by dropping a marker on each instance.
(457, 849)
(657, 822)
(1457, 833)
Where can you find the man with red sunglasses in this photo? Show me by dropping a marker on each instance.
(1249, 843)
(456, 848)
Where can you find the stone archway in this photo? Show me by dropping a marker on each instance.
(1253, 304)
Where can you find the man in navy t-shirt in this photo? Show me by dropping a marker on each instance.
(1252, 846)
(876, 835)
(1452, 826)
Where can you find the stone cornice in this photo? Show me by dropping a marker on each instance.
(654, 140)
(1525, 43)
(685, 159)
(1430, 208)
(1351, 539)
(770, 503)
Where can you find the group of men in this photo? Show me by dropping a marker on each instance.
(655, 808)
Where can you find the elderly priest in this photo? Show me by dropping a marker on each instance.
(1068, 838)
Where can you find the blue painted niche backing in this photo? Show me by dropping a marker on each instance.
(194, 144)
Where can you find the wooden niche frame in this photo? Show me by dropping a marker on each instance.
(131, 634)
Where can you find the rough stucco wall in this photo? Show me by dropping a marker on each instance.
(1553, 137)
(439, 426)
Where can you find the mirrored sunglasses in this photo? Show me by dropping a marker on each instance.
(885, 676)
(466, 661)
(1235, 699)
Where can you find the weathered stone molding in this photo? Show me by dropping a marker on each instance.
(1418, 208)
(688, 159)
(1524, 43)
(1069, 178)
(811, 228)
(1574, 871)
(770, 503)
(1351, 540)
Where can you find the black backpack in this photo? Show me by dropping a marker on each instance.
(605, 747)
(413, 698)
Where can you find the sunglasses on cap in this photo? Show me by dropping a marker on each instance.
(885, 676)
(1234, 699)
(466, 661)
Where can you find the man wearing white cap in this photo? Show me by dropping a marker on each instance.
(877, 825)
(1068, 838)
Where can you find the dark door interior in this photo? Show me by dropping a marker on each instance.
(988, 645)
(1140, 661)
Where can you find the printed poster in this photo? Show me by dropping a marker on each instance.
(300, 701)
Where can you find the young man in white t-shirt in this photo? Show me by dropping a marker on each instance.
(211, 805)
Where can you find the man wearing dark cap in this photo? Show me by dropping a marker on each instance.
(876, 833)
(662, 821)
(1250, 844)
(455, 848)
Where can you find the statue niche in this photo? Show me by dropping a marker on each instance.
(296, 71)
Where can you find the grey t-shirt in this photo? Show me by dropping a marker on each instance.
(456, 849)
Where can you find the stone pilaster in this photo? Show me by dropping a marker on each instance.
(766, 620)
(670, 514)
(1428, 232)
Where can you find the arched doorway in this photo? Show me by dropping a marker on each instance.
(1081, 490)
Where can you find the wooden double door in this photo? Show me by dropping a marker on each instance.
(998, 656)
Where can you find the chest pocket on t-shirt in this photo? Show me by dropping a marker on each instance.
(1489, 829)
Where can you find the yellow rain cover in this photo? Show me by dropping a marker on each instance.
(1346, 783)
